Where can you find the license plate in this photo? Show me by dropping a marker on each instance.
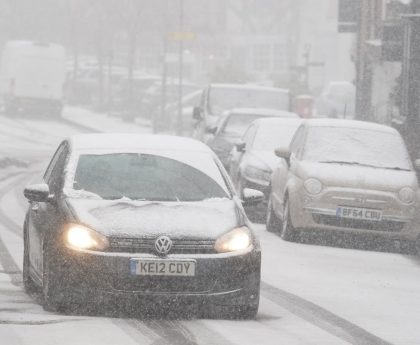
(180, 268)
(359, 213)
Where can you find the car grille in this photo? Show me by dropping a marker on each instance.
(387, 226)
(147, 246)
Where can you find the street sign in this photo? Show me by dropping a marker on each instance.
(183, 36)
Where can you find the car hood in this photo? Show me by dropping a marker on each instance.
(198, 220)
(333, 174)
(268, 158)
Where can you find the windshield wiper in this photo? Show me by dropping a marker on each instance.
(365, 165)
(349, 163)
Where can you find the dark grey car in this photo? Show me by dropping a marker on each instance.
(152, 218)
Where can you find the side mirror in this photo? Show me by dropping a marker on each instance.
(417, 164)
(37, 193)
(252, 197)
(211, 129)
(197, 113)
(283, 153)
(240, 147)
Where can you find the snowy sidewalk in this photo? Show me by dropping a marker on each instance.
(103, 122)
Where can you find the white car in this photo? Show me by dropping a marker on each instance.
(350, 176)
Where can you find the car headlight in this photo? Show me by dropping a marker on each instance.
(406, 195)
(81, 237)
(313, 186)
(258, 174)
(237, 239)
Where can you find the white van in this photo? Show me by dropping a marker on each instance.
(32, 77)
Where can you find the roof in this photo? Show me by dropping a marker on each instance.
(113, 142)
(266, 122)
(342, 123)
(247, 87)
(263, 112)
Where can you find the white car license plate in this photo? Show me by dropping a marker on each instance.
(359, 213)
(145, 267)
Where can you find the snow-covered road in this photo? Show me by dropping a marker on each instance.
(310, 294)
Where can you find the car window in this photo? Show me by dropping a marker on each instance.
(56, 178)
(249, 135)
(145, 177)
(297, 141)
(53, 162)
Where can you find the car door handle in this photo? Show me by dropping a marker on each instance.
(35, 207)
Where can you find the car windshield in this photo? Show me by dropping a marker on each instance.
(356, 146)
(271, 137)
(146, 177)
(238, 123)
(223, 99)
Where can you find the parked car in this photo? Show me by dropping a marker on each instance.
(219, 98)
(151, 218)
(338, 100)
(234, 124)
(349, 176)
(252, 160)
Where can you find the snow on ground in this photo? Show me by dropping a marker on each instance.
(310, 294)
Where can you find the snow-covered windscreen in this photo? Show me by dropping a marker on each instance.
(140, 176)
(356, 146)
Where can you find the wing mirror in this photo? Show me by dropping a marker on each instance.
(240, 147)
(252, 197)
(211, 129)
(283, 153)
(38, 193)
(417, 164)
(197, 113)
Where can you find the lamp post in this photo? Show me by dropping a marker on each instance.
(181, 67)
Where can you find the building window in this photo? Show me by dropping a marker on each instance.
(262, 57)
(280, 58)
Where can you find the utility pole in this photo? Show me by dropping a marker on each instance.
(181, 67)
(164, 70)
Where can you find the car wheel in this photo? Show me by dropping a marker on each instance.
(289, 233)
(28, 284)
(273, 224)
(52, 285)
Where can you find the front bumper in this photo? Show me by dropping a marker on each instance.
(320, 212)
(221, 279)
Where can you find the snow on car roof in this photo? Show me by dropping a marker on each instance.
(268, 122)
(264, 112)
(343, 123)
(247, 87)
(120, 141)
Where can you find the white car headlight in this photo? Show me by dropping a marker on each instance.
(313, 186)
(80, 237)
(237, 239)
(406, 195)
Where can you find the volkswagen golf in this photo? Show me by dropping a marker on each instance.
(141, 217)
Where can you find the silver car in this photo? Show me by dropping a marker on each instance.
(344, 175)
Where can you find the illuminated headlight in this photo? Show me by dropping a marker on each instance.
(237, 239)
(406, 195)
(313, 186)
(80, 237)
(257, 174)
